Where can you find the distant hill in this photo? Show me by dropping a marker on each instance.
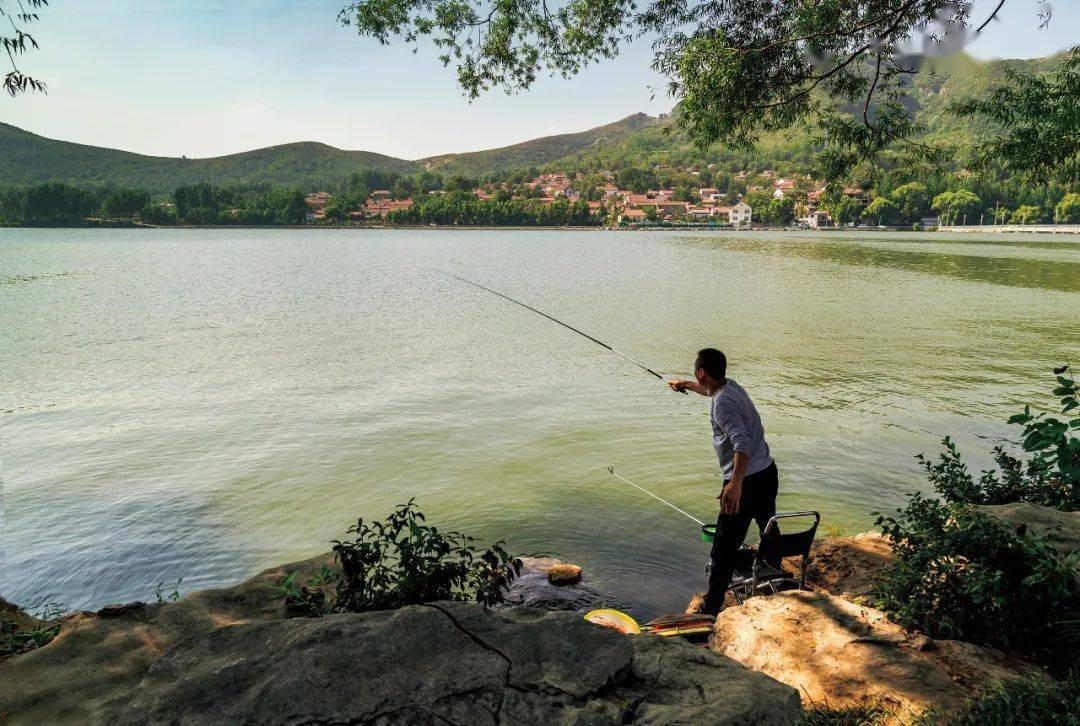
(27, 158)
(538, 151)
(939, 84)
(636, 140)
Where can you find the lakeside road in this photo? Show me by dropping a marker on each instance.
(203, 403)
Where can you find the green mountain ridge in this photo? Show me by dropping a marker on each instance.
(637, 140)
(26, 158)
(938, 85)
(537, 151)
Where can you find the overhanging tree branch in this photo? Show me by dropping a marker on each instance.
(19, 43)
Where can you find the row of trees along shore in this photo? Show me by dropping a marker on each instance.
(889, 198)
(59, 204)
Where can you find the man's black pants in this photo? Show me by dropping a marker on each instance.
(758, 503)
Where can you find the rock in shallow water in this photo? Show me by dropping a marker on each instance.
(564, 574)
(533, 588)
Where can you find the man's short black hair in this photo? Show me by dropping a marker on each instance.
(713, 361)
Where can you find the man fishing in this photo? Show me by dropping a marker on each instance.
(750, 476)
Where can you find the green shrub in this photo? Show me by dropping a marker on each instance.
(1014, 702)
(29, 628)
(1050, 476)
(961, 574)
(1026, 702)
(403, 561)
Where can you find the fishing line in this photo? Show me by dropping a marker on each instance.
(611, 470)
(601, 343)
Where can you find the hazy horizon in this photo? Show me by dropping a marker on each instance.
(191, 82)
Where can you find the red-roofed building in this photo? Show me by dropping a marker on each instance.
(383, 207)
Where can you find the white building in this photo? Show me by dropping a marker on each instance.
(741, 214)
(818, 218)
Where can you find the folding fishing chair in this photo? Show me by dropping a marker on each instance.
(754, 575)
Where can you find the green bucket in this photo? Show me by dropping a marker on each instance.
(708, 532)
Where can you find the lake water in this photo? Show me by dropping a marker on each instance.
(206, 403)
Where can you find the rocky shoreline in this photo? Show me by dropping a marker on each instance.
(236, 654)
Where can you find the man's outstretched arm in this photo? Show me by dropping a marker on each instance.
(680, 386)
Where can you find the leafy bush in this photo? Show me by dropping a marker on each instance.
(1050, 476)
(961, 574)
(403, 561)
(1016, 702)
(29, 628)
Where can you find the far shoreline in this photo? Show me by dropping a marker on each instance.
(1002, 229)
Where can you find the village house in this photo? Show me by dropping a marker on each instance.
(383, 207)
(632, 216)
(783, 188)
(316, 206)
(671, 210)
(381, 194)
(740, 215)
(817, 218)
(638, 200)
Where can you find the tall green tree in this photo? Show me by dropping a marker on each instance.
(124, 202)
(1025, 214)
(1040, 118)
(843, 209)
(911, 200)
(735, 67)
(1067, 210)
(881, 210)
(956, 205)
(56, 203)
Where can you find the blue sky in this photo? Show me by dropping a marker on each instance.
(211, 77)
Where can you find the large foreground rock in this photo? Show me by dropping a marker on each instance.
(230, 656)
(840, 653)
(451, 663)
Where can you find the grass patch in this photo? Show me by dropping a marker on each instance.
(1026, 702)
(872, 715)
(26, 629)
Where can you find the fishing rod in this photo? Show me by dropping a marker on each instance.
(601, 343)
(611, 470)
